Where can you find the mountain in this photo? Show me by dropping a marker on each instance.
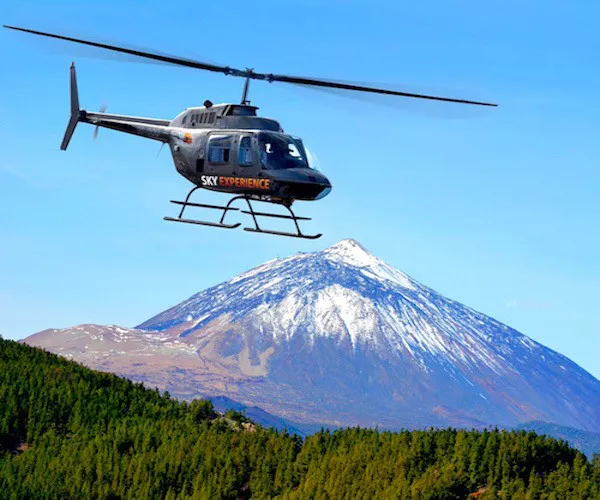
(587, 442)
(223, 404)
(339, 337)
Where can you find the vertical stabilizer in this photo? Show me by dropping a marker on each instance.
(74, 110)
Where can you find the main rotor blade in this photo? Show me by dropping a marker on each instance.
(362, 88)
(190, 63)
(248, 73)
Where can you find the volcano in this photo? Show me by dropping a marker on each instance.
(338, 337)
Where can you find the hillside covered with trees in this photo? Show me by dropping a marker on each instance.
(70, 432)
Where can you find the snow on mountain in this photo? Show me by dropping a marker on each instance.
(344, 292)
(340, 337)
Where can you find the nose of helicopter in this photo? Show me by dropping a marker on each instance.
(321, 183)
(303, 184)
(323, 193)
(326, 185)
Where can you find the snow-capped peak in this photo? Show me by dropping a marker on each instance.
(352, 253)
(347, 339)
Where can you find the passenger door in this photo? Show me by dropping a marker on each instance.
(219, 154)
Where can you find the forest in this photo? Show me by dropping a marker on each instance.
(70, 432)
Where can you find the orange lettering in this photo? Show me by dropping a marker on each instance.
(245, 182)
(263, 183)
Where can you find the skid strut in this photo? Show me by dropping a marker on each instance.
(228, 208)
(188, 203)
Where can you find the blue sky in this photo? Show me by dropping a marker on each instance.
(498, 210)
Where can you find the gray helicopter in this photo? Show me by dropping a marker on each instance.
(227, 147)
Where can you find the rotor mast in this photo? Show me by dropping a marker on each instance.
(249, 74)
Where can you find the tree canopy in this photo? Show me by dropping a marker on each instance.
(70, 432)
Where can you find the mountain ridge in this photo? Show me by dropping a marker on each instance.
(344, 327)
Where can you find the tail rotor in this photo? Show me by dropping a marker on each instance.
(102, 109)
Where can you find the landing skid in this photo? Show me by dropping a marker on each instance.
(228, 208)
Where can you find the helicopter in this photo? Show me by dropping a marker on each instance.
(227, 147)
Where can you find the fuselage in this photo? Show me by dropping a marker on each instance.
(228, 148)
(224, 147)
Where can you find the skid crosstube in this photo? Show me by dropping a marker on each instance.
(228, 208)
(278, 216)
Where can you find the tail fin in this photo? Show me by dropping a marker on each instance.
(74, 110)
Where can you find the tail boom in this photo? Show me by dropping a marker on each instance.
(151, 128)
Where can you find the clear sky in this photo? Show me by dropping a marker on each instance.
(498, 210)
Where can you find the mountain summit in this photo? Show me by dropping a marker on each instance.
(340, 337)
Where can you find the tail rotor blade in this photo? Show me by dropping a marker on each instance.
(102, 109)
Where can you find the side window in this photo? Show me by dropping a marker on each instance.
(211, 117)
(219, 148)
(245, 152)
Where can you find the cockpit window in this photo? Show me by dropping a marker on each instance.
(281, 151)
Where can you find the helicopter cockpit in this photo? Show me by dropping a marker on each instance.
(280, 151)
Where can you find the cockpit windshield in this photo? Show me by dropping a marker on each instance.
(278, 151)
